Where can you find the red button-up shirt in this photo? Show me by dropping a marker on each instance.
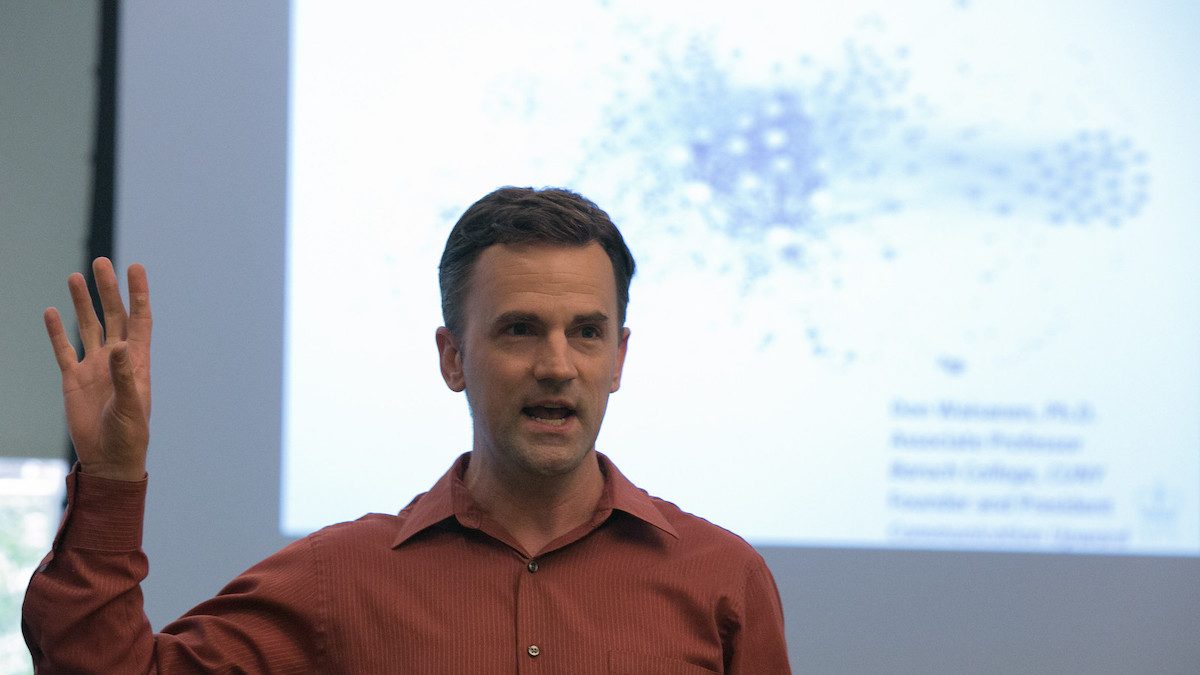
(439, 588)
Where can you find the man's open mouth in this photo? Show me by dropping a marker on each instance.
(552, 415)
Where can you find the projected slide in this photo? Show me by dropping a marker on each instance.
(914, 275)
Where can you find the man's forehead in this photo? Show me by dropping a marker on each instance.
(508, 274)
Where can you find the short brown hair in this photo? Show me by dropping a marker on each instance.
(524, 215)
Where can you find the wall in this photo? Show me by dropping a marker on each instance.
(47, 88)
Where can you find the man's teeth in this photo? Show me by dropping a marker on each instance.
(549, 415)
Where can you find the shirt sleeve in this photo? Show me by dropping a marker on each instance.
(756, 643)
(83, 610)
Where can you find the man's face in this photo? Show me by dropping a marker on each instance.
(540, 352)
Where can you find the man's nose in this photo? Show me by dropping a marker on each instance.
(554, 362)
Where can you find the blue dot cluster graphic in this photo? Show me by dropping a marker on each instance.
(773, 161)
(759, 163)
(755, 156)
(1090, 178)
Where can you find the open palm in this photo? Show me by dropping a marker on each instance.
(107, 394)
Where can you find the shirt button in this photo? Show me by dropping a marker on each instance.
(534, 650)
(533, 566)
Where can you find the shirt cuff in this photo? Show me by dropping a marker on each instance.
(102, 514)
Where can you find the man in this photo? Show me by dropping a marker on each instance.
(533, 554)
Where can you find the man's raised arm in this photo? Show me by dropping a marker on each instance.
(84, 612)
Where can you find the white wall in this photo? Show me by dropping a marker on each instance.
(48, 54)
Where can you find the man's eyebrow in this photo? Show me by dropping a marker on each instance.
(593, 317)
(516, 317)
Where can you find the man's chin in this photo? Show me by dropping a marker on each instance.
(554, 462)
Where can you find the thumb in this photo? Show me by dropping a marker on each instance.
(120, 369)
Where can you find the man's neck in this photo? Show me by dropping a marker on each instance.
(535, 510)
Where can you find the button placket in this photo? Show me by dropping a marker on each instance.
(529, 633)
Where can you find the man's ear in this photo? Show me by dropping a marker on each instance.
(450, 358)
(622, 344)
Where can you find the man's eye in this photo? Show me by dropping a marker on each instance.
(520, 329)
(590, 332)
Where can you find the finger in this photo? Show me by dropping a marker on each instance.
(110, 299)
(64, 351)
(91, 334)
(140, 321)
(127, 402)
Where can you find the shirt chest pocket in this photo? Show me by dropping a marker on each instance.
(622, 663)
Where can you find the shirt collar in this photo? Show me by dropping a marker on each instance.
(623, 495)
(449, 498)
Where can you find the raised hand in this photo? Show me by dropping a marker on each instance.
(107, 394)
